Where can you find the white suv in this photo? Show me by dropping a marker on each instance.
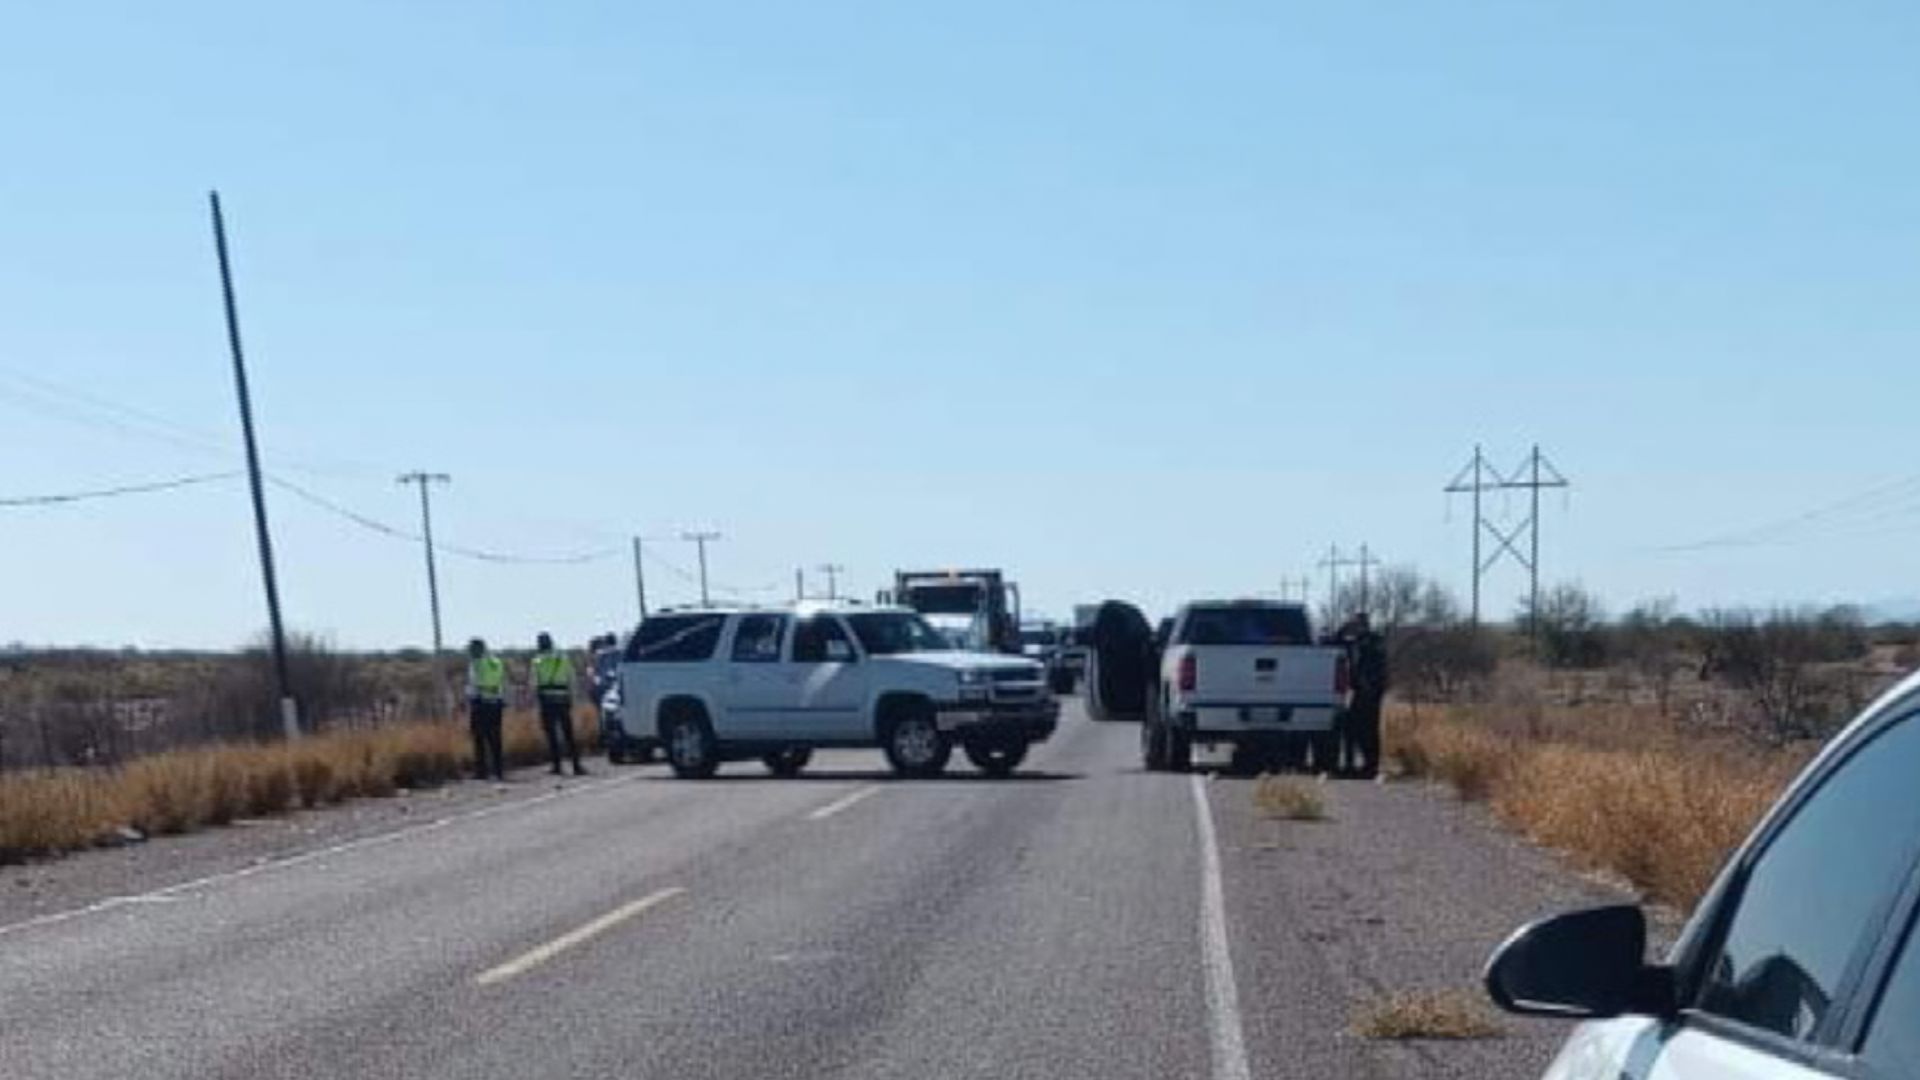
(719, 684)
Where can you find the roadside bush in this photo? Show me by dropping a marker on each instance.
(1664, 815)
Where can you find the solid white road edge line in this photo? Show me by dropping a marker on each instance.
(1223, 997)
(843, 802)
(377, 839)
(535, 957)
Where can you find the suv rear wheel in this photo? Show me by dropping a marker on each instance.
(914, 743)
(691, 748)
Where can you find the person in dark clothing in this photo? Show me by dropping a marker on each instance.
(1367, 657)
(553, 685)
(486, 702)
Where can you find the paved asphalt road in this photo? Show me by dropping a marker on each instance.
(1085, 919)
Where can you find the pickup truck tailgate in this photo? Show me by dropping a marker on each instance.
(1290, 687)
(1265, 675)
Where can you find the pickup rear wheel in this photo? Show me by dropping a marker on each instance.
(914, 743)
(691, 748)
(787, 763)
(1179, 750)
(1153, 746)
(997, 758)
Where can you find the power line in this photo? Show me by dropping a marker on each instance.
(114, 492)
(1865, 507)
(376, 525)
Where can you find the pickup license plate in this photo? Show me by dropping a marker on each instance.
(1265, 714)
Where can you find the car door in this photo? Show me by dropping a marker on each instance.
(756, 689)
(832, 682)
(1773, 973)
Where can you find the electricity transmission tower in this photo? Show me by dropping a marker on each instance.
(425, 479)
(1532, 475)
(1333, 564)
(1365, 562)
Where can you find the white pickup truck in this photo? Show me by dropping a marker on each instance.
(722, 684)
(1245, 673)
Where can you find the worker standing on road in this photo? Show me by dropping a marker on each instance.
(486, 701)
(553, 686)
(1368, 651)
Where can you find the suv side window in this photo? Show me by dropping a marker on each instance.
(821, 639)
(757, 639)
(1821, 891)
(675, 639)
(1893, 1042)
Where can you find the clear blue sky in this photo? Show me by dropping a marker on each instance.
(1138, 300)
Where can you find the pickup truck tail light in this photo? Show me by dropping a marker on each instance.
(1189, 674)
(1342, 676)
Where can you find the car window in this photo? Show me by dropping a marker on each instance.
(1819, 891)
(757, 639)
(1245, 626)
(671, 639)
(1893, 1040)
(819, 640)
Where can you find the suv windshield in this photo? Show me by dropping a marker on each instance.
(883, 633)
(1246, 626)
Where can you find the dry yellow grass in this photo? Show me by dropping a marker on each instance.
(45, 813)
(1425, 1014)
(1661, 811)
(1288, 798)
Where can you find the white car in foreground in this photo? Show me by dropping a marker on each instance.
(1801, 961)
(724, 684)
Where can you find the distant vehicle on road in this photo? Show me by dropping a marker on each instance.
(1802, 961)
(724, 684)
(976, 610)
(1245, 674)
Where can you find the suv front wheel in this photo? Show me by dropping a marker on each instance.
(914, 743)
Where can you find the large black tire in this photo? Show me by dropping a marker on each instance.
(1122, 663)
(787, 763)
(914, 743)
(996, 758)
(691, 748)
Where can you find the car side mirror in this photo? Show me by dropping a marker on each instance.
(839, 652)
(1588, 963)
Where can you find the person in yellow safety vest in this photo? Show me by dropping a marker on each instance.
(486, 701)
(553, 685)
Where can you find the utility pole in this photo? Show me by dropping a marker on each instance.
(1533, 475)
(289, 709)
(799, 583)
(640, 578)
(700, 540)
(426, 532)
(833, 572)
